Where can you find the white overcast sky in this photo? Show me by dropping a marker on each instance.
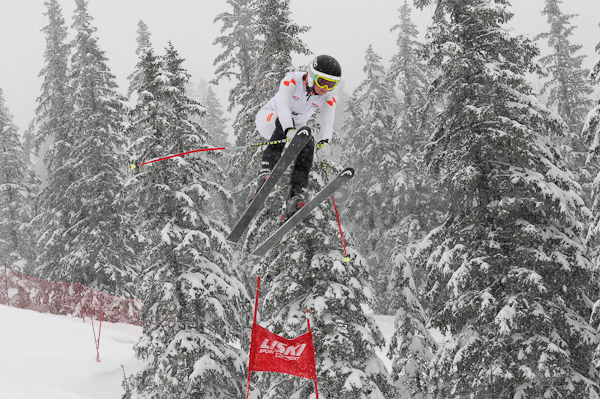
(341, 28)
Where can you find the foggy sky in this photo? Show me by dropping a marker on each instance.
(338, 27)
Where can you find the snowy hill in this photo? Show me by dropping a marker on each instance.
(45, 356)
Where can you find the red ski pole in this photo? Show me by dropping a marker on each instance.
(309, 330)
(337, 215)
(133, 166)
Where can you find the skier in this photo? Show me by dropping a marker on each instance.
(300, 95)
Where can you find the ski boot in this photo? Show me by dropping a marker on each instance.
(294, 202)
(263, 174)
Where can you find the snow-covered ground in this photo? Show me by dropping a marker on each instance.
(45, 356)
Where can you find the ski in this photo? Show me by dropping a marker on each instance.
(296, 218)
(288, 156)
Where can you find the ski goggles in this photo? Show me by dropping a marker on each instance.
(324, 82)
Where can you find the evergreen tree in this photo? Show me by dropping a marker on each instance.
(508, 275)
(591, 130)
(214, 121)
(307, 271)
(29, 143)
(53, 115)
(417, 205)
(372, 143)
(94, 248)
(569, 90)
(33, 183)
(16, 195)
(411, 76)
(195, 310)
(595, 75)
(416, 208)
(240, 48)
(144, 44)
(197, 91)
(412, 346)
(591, 134)
(53, 108)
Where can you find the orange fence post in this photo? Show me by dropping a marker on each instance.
(99, 330)
(95, 341)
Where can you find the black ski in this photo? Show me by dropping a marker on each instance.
(288, 156)
(296, 218)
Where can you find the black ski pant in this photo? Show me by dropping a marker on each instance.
(302, 165)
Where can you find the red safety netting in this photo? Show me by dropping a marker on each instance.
(72, 299)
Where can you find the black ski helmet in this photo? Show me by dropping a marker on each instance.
(326, 66)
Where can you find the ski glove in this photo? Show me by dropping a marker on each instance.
(323, 150)
(290, 132)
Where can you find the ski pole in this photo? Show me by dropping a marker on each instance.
(337, 214)
(133, 166)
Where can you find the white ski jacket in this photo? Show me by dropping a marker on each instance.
(294, 107)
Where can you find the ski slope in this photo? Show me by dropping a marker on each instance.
(45, 356)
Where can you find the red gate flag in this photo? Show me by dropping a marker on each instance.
(270, 352)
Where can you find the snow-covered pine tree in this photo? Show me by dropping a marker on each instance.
(33, 182)
(196, 312)
(569, 91)
(416, 204)
(144, 44)
(94, 249)
(372, 142)
(591, 134)
(307, 271)
(595, 74)
(417, 207)
(508, 275)
(412, 346)
(569, 88)
(410, 74)
(29, 143)
(16, 196)
(240, 48)
(53, 109)
(591, 127)
(128, 204)
(52, 120)
(214, 120)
